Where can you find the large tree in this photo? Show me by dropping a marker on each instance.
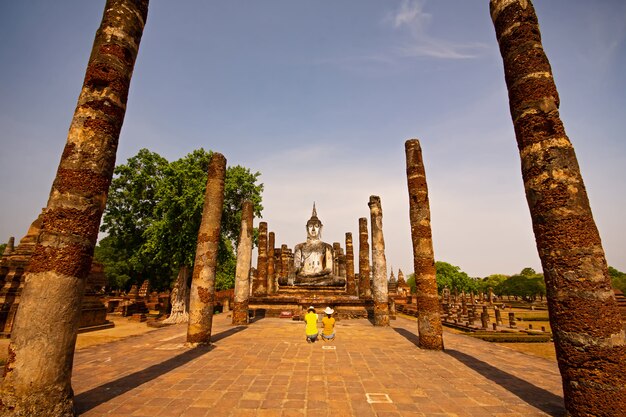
(169, 210)
(38, 372)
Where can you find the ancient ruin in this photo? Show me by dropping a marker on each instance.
(38, 373)
(379, 264)
(588, 333)
(428, 320)
(244, 260)
(202, 296)
(320, 274)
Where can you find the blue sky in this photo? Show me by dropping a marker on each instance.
(320, 97)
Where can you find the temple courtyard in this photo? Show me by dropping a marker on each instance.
(268, 369)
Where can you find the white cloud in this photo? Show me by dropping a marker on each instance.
(411, 18)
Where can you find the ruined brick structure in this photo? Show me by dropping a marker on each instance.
(428, 319)
(242, 272)
(202, 295)
(379, 264)
(588, 333)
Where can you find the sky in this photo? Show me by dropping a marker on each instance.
(319, 97)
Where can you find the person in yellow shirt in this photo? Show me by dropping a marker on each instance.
(329, 325)
(310, 321)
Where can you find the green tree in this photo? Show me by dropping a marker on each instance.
(452, 277)
(154, 212)
(128, 214)
(492, 281)
(2, 247)
(618, 279)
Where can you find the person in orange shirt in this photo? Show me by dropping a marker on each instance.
(329, 325)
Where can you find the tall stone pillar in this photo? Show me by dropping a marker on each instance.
(584, 316)
(428, 319)
(38, 371)
(342, 263)
(336, 253)
(284, 261)
(350, 278)
(364, 260)
(202, 295)
(271, 264)
(259, 286)
(244, 262)
(379, 264)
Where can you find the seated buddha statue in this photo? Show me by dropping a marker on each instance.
(313, 259)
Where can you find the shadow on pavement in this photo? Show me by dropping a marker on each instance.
(89, 399)
(533, 395)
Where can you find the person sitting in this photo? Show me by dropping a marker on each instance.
(329, 325)
(310, 321)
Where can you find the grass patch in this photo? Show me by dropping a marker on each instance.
(511, 337)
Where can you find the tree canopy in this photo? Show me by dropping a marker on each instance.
(153, 215)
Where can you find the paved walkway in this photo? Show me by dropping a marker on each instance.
(267, 369)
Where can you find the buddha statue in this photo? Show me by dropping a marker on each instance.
(313, 259)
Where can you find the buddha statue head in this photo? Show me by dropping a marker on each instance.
(314, 227)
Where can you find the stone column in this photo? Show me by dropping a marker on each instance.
(202, 296)
(284, 261)
(364, 260)
(379, 264)
(336, 252)
(585, 319)
(271, 264)
(428, 319)
(244, 262)
(259, 286)
(10, 247)
(38, 371)
(342, 263)
(484, 318)
(350, 278)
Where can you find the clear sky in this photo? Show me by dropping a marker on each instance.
(320, 96)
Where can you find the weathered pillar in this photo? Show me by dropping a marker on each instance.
(350, 282)
(498, 316)
(336, 253)
(342, 263)
(259, 286)
(284, 261)
(38, 371)
(10, 247)
(364, 260)
(202, 295)
(428, 319)
(244, 262)
(588, 333)
(271, 264)
(379, 264)
(484, 318)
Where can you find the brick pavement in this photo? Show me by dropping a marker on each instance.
(267, 369)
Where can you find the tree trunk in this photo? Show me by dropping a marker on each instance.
(179, 298)
(588, 333)
(38, 372)
(244, 261)
(202, 297)
(379, 264)
(428, 319)
(364, 260)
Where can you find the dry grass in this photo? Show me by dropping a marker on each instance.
(124, 328)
